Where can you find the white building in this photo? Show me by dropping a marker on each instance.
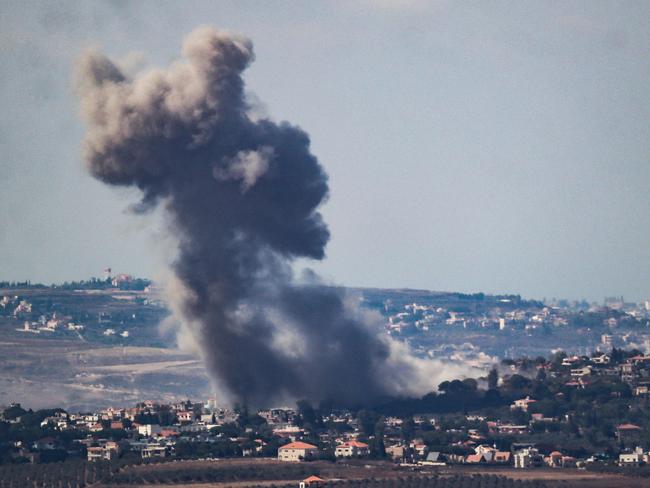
(528, 458)
(155, 451)
(297, 451)
(352, 449)
(523, 403)
(149, 429)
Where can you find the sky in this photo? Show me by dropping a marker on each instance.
(501, 147)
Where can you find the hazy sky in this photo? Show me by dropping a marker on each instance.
(471, 146)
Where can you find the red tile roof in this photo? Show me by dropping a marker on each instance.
(313, 479)
(298, 445)
(361, 445)
(474, 458)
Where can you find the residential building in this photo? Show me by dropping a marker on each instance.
(523, 403)
(297, 451)
(528, 458)
(352, 449)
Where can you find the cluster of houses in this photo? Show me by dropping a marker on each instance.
(191, 422)
(302, 451)
(634, 371)
(425, 317)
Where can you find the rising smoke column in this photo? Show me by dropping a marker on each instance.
(241, 196)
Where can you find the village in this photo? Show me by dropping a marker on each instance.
(462, 424)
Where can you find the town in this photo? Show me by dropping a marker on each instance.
(565, 412)
(474, 329)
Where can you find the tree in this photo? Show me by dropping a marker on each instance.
(408, 429)
(368, 421)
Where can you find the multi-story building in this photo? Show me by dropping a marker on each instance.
(352, 449)
(297, 451)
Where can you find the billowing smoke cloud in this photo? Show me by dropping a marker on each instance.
(241, 196)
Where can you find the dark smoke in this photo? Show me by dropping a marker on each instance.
(241, 196)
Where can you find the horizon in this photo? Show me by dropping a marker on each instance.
(544, 300)
(495, 149)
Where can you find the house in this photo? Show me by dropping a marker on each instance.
(641, 390)
(419, 448)
(554, 460)
(570, 361)
(352, 449)
(528, 458)
(488, 455)
(185, 416)
(155, 451)
(297, 451)
(288, 432)
(580, 372)
(602, 359)
(311, 482)
(631, 459)
(539, 417)
(523, 403)
(149, 429)
(95, 454)
(108, 452)
(513, 429)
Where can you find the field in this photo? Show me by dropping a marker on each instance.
(88, 369)
(251, 473)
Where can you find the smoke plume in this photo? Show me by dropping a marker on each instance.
(241, 196)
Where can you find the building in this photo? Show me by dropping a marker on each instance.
(528, 458)
(488, 455)
(108, 452)
(580, 372)
(513, 429)
(155, 451)
(554, 460)
(523, 403)
(602, 359)
(631, 458)
(149, 430)
(185, 416)
(297, 451)
(352, 449)
(311, 482)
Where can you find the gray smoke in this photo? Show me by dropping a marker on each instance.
(241, 196)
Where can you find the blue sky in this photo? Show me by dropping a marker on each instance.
(471, 146)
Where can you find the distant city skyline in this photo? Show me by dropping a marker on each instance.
(472, 148)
